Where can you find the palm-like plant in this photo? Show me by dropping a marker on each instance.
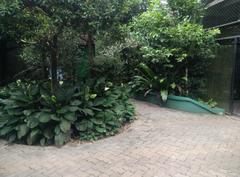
(148, 81)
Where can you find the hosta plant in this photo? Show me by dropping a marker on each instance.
(30, 114)
(106, 115)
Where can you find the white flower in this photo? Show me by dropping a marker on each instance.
(60, 82)
(106, 88)
(19, 82)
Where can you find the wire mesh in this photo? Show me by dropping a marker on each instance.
(220, 76)
(221, 12)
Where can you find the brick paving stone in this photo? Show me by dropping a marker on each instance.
(160, 143)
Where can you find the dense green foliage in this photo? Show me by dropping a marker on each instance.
(149, 81)
(64, 34)
(30, 114)
(177, 49)
(64, 42)
(81, 54)
(192, 10)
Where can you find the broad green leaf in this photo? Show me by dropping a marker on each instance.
(164, 95)
(12, 138)
(76, 103)
(82, 126)
(73, 108)
(57, 130)
(146, 70)
(97, 121)
(27, 112)
(173, 85)
(5, 130)
(20, 97)
(44, 117)
(93, 96)
(32, 122)
(48, 133)
(55, 117)
(162, 80)
(90, 124)
(14, 112)
(34, 90)
(112, 123)
(99, 101)
(87, 111)
(185, 78)
(70, 116)
(101, 130)
(43, 141)
(60, 139)
(22, 130)
(3, 120)
(46, 110)
(32, 138)
(63, 110)
(65, 126)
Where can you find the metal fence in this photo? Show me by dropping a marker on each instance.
(221, 13)
(224, 73)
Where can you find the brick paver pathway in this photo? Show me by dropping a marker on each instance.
(161, 143)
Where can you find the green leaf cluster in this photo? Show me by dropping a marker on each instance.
(30, 114)
(174, 45)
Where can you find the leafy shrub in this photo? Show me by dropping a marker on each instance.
(30, 114)
(148, 81)
(105, 116)
(211, 103)
(174, 45)
(112, 61)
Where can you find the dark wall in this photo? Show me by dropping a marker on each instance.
(10, 64)
(2, 62)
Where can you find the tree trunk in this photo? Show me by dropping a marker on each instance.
(44, 66)
(54, 64)
(91, 49)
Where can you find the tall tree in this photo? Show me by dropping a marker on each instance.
(174, 44)
(187, 9)
(40, 26)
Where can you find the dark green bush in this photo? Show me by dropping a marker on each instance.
(30, 114)
(106, 115)
(148, 81)
(174, 45)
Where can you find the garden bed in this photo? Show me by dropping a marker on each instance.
(30, 115)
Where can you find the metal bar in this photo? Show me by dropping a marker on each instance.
(225, 24)
(213, 3)
(226, 38)
(231, 106)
